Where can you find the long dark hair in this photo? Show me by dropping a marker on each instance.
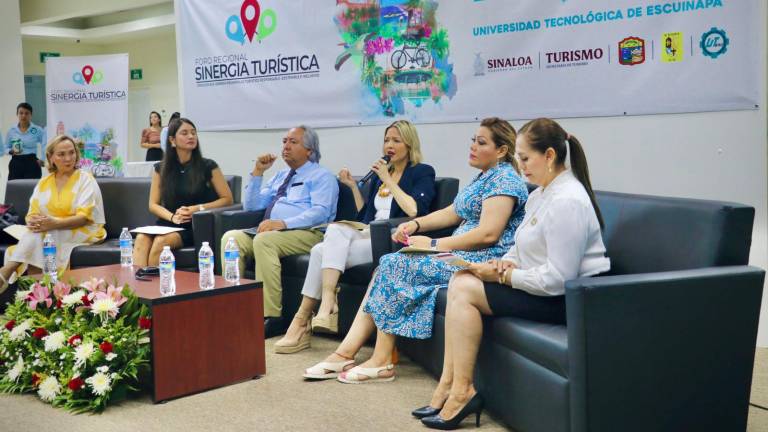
(503, 134)
(158, 116)
(544, 133)
(171, 165)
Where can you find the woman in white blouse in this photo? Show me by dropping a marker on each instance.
(559, 239)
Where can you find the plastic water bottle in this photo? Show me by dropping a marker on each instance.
(126, 248)
(231, 258)
(49, 257)
(205, 265)
(167, 272)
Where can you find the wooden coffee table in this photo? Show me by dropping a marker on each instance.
(199, 339)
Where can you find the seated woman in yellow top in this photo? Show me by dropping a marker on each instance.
(66, 204)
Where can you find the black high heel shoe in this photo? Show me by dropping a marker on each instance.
(475, 405)
(425, 411)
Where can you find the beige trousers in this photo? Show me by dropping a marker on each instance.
(267, 248)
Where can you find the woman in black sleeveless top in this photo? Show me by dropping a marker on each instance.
(182, 184)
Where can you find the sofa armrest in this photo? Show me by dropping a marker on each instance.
(381, 236)
(232, 220)
(204, 228)
(671, 351)
(239, 219)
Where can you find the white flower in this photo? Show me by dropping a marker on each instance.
(73, 299)
(20, 331)
(100, 383)
(104, 305)
(21, 295)
(103, 369)
(113, 375)
(15, 372)
(54, 341)
(49, 388)
(110, 356)
(82, 353)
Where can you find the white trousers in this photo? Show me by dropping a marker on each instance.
(342, 247)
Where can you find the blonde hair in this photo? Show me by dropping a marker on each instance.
(51, 147)
(410, 137)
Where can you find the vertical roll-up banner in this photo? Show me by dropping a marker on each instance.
(87, 98)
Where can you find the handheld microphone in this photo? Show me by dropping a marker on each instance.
(371, 173)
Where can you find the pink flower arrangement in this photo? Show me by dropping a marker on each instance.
(39, 294)
(61, 289)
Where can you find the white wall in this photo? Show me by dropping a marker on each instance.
(11, 74)
(720, 156)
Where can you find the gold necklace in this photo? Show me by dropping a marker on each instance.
(384, 191)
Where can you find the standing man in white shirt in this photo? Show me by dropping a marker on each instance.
(25, 142)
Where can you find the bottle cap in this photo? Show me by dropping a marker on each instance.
(205, 243)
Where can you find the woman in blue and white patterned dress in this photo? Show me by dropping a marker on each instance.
(401, 299)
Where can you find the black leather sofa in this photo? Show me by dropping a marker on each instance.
(125, 205)
(664, 342)
(354, 281)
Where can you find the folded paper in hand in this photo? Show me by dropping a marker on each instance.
(452, 259)
(418, 250)
(16, 231)
(156, 230)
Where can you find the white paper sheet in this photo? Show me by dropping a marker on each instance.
(16, 231)
(155, 230)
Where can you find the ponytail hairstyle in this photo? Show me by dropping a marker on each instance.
(503, 134)
(544, 133)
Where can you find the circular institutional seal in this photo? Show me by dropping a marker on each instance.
(714, 42)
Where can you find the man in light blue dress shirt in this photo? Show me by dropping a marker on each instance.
(294, 200)
(25, 142)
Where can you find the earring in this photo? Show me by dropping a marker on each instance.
(550, 168)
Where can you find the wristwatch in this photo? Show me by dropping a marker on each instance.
(201, 207)
(433, 244)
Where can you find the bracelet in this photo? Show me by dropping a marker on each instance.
(508, 276)
(418, 226)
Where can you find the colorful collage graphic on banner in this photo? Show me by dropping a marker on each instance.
(401, 50)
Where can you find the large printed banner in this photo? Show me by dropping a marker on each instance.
(87, 98)
(254, 64)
